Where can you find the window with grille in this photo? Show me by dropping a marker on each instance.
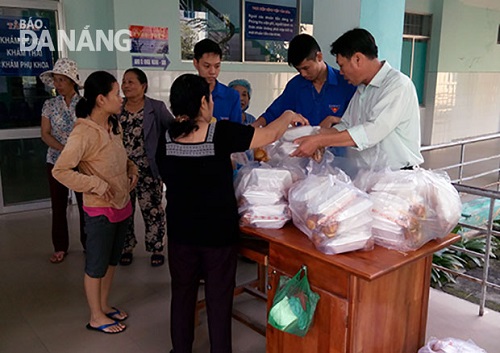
(416, 36)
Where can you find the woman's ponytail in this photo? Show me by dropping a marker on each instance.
(182, 127)
(115, 124)
(82, 108)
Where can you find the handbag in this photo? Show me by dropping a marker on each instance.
(294, 304)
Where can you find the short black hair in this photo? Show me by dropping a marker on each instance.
(141, 76)
(185, 102)
(206, 46)
(357, 40)
(301, 47)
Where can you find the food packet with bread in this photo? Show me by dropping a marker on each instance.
(265, 216)
(285, 145)
(260, 154)
(412, 207)
(261, 192)
(335, 215)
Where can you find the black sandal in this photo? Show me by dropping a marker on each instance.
(126, 258)
(157, 260)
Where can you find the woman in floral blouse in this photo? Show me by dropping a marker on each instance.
(142, 120)
(58, 118)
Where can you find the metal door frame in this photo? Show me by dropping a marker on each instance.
(31, 132)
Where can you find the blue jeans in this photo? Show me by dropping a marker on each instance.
(104, 244)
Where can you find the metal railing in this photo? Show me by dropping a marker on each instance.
(466, 170)
(462, 164)
(481, 231)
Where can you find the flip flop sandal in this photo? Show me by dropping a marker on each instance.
(157, 260)
(117, 311)
(58, 257)
(126, 259)
(102, 328)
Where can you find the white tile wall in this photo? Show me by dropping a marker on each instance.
(265, 86)
(466, 105)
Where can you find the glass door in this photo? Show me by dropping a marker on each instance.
(23, 176)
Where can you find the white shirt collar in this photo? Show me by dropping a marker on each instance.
(381, 74)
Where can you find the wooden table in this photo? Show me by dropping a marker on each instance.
(370, 301)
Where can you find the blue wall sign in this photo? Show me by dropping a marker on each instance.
(14, 61)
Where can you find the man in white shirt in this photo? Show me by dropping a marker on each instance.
(383, 113)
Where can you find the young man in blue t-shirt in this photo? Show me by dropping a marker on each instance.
(207, 61)
(319, 92)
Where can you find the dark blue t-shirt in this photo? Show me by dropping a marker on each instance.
(227, 104)
(301, 97)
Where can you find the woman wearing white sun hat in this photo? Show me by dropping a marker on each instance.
(58, 118)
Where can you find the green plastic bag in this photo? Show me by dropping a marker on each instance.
(294, 304)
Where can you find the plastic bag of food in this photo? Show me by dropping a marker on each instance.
(265, 216)
(255, 181)
(281, 150)
(326, 166)
(261, 193)
(285, 143)
(412, 207)
(335, 215)
(450, 345)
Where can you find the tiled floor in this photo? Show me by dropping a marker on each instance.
(43, 307)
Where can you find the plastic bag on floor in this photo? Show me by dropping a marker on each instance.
(450, 345)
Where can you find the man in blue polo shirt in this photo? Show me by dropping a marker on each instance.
(319, 92)
(207, 61)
